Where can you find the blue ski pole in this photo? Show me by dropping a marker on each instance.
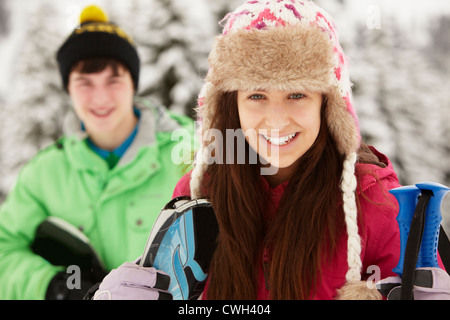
(407, 198)
(419, 221)
(433, 217)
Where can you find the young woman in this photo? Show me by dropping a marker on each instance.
(323, 221)
(326, 216)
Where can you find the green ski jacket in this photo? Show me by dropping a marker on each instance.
(114, 208)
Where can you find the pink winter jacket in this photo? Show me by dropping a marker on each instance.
(380, 239)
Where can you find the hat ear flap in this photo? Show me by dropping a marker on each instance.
(206, 108)
(341, 124)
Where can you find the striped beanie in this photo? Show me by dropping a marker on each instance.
(287, 45)
(97, 37)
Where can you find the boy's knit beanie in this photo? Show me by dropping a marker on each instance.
(97, 37)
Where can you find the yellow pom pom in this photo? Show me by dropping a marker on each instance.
(93, 14)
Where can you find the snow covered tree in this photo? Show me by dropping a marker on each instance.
(174, 39)
(400, 104)
(35, 104)
(438, 48)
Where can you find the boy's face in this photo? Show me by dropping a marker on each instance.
(104, 100)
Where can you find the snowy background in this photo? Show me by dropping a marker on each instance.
(399, 52)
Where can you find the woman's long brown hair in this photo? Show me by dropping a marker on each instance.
(306, 227)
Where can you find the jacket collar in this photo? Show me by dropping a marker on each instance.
(369, 174)
(153, 120)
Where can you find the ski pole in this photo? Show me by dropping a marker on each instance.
(419, 221)
(433, 217)
(407, 198)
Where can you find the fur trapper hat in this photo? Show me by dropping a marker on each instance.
(288, 45)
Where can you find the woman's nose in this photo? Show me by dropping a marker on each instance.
(277, 116)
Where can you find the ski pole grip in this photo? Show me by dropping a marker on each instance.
(433, 217)
(407, 198)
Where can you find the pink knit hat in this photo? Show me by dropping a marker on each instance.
(287, 45)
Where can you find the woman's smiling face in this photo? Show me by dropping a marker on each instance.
(280, 125)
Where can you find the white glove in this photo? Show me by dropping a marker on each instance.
(133, 282)
(429, 284)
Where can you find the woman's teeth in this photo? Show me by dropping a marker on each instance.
(282, 140)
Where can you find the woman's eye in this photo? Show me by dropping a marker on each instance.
(256, 97)
(297, 96)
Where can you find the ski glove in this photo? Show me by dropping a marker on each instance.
(133, 282)
(429, 284)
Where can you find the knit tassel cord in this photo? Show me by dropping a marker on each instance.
(354, 289)
(348, 186)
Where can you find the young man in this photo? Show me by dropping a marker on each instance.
(108, 176)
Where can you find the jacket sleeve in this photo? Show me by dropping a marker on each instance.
(23, 274)
(383, 253)
(382, 234)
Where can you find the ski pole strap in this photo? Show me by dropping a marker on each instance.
(413, 246)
